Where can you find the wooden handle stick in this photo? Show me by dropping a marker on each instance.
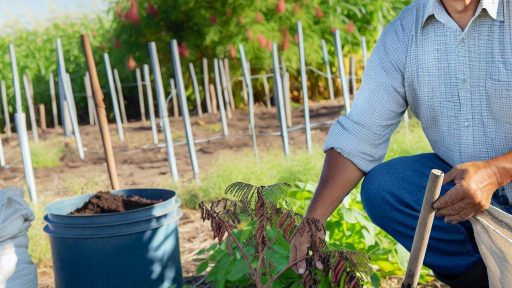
(102, 114)
(423, 228)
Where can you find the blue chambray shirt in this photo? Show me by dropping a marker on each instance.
(457, 83)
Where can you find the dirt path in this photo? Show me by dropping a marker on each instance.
(142, 164)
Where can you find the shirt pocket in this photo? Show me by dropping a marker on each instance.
(499, 97)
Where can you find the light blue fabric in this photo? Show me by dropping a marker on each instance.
(457, 83)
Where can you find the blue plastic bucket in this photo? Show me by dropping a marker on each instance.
(137, 248)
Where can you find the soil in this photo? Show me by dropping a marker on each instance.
(105, 202)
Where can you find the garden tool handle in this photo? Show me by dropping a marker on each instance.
(101, 112)
(423, 228)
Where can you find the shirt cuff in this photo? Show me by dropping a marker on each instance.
(341, 140)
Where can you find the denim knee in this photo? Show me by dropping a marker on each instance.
(374, 193)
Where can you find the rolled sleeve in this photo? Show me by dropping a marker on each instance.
(363, 135)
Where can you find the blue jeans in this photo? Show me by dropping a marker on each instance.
(392, 195)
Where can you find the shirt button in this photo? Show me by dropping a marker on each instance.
(461, 41)
(464, 81)
(466, 124)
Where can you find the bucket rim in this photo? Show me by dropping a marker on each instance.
(171, 220)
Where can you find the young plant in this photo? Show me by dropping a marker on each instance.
(260, 205)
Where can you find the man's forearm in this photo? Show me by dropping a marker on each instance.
(339, 177)
(502, 167)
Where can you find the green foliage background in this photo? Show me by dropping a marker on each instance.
(208, 29)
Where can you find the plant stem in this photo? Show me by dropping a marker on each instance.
(244, 255)
(284, 269)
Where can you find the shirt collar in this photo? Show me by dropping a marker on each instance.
(434, 7)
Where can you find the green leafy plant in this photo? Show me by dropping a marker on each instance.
(271, 223)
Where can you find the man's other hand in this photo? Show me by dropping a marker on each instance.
(475, 183)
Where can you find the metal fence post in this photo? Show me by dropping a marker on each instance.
(196, 90)
(141, 95)
(341, 70)
(21, 129)
(328, 70)
(31, 112)
(278, 90)
(219, 97)
(162, 106)
(151, 108)
(6, 110)
(55, 114)
(247, 80)
(68, 95)
(305, 96)
(121, 96)
(113, 95)
(206, 86)
(184, 109)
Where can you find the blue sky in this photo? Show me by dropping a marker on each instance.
(33, 13)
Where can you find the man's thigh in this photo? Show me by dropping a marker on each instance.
(392, 194)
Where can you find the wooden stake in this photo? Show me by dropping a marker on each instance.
(42, 117)
(267, 93)
(55, 113)
(287, 99)
(423, 228)
(7, 120)
(102, 114)
(214, 100)
(174, 98)
(119, 90)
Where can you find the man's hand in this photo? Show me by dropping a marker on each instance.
(475, 183)
(339, 177)
(310, 238)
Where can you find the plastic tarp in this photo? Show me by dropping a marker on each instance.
(16, 267)
(493, 234)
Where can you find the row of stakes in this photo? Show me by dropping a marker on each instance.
(218, 96)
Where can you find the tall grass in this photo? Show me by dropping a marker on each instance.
(46, 154)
